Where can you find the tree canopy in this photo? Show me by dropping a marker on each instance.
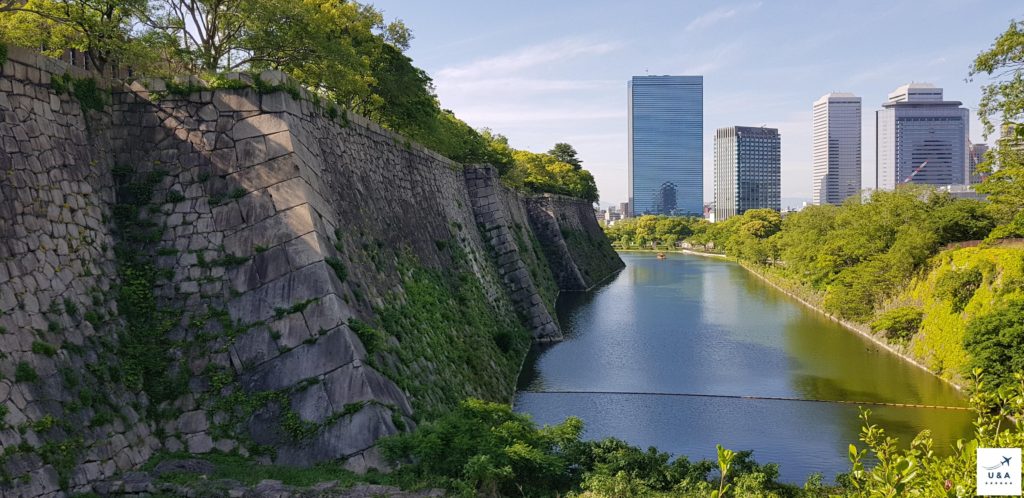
(1003, 101)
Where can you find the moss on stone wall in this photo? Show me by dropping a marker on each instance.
(449, 342)
(593, 254)
(533, 256)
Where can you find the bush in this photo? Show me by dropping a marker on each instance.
(486, 449)
(490, 448)
(899, 324)
(995, 340)
(958, 287)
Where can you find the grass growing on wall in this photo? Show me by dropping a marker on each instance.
(948, 309)
(589, 252)
(144, 348)
(532, 254)
(449, 341)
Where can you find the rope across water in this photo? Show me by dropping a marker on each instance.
(769, 398)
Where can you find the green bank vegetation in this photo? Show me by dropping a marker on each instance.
(344, 51)
(483, 449)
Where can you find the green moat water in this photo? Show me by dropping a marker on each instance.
(696, 325)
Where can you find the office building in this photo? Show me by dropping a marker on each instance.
(836, 157)
(921, 138)
(747, 170)
(977, 156)
(666, 116)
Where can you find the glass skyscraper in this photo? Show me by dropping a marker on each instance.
(748, 170)
(921, 138)
(666, 160)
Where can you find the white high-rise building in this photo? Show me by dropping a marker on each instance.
(921, 138)
(837, 148)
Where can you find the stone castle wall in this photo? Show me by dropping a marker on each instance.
(57, 275)
(278, 230)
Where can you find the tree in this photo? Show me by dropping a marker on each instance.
(101, 29)
(567, 154)
(1004, 100)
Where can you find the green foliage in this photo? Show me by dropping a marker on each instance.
(25, 373)
(43, 348)
(546, 173)
(466, 446)
(1003, 101)
(995, 340)
(445, 320)
(143, 348)
(3, 54)
(566, 153)
(918, 470)
(653, 231)
(899, 324)
(958, 286)
(101, 29)
(857, 254)
(85, 90)
(339, 268)
(486, 449)
(373, 340)
(63, 456)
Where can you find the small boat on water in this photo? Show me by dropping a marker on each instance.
(661, 255)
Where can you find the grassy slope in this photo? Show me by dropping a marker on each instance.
(939, 342)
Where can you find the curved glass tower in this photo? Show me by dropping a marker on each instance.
(666, 161)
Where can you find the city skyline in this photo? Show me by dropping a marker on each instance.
(540, 81)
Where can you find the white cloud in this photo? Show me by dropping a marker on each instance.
(720, 14)
(528, 57)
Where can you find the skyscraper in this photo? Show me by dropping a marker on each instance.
(666, 127)
(837, 152)
(921, 138)
(748, 164)
(977, 156)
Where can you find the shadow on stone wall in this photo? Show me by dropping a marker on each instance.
(290, 245)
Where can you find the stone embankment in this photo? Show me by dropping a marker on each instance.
(192, 269)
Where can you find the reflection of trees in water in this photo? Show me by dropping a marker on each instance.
(569, 307)
(832, 360)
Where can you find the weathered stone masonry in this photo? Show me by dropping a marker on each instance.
(279, 224)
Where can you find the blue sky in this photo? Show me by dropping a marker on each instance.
(542, 72)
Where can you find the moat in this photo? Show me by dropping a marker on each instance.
(700, 326)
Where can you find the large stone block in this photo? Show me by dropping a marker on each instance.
(258, 125)
(331, 351)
